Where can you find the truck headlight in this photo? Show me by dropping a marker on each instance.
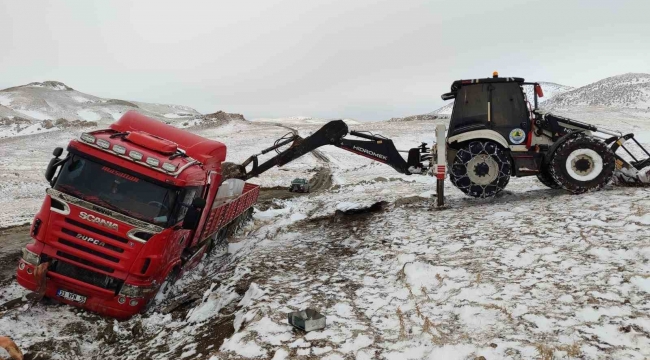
(30, 257)
(134, 291)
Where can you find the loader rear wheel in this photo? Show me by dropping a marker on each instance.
(582, 164)
(547, 179)
(481, 169)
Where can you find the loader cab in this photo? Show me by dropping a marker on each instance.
(495, 104)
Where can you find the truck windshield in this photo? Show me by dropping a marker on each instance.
(115, 190)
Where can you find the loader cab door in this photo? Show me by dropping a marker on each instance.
(509, 112)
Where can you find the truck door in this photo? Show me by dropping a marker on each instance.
(181, 238)
(199, 235)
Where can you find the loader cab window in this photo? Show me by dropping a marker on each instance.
(507, 110)
(508, 106)
(470, 109)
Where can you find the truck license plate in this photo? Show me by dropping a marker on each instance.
(71, 296)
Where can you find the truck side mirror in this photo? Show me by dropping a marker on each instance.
(193, 214)
(198, 203)
(53, 164)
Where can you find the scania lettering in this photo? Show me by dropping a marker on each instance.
(100, 221)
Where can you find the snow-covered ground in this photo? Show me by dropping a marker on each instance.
(301, 121)
(530, 274)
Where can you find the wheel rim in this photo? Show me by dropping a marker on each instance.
(482, 169)
(584, 164)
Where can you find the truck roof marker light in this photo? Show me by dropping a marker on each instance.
(169, 167)
(135, 155)
(119, 149)
(153, 161)
(104, 144)
(87, 138)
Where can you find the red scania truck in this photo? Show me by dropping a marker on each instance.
(129, 210)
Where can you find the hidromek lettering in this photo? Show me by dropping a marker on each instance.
(371, 153)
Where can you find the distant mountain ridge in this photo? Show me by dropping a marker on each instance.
(52, 100)
(631, 90)
(52, 105)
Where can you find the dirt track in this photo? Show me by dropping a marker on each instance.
(320, 182)
(12, 240)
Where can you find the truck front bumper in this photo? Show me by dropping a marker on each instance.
(101, 301)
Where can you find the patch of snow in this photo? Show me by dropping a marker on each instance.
(5, 100)
(176, 116)
(34, 114)
(88, 115)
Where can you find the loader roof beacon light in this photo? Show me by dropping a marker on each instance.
(495, 74)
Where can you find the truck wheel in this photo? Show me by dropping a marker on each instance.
(218, 244)
(161, 294)
(582, 164)
(481, 169)
(547, 179)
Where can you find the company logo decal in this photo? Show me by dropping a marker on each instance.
(517, 136)
(99, 221)
(371, 153)
(120, 174)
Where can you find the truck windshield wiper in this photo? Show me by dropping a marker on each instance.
(70, 190)
(101, 202)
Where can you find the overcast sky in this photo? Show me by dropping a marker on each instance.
(362, 59)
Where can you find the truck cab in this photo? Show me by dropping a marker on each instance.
(129, 208)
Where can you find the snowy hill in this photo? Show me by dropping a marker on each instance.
(445, 110)
(631, 90)
(39, 106)
(550, 90)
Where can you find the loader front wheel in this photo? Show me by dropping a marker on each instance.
(547, 179)
(481, 169)
(582, 164)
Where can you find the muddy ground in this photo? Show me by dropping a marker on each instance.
(12, 240)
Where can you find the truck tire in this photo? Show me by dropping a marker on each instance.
(162, 291)
(582, 164)
(481, 169)
(547, 179)
(218, 244)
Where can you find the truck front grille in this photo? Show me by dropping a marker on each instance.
(84, 261)
(87, 276)
(97, 231)
(89, 250)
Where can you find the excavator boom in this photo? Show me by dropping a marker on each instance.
(374, 147)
